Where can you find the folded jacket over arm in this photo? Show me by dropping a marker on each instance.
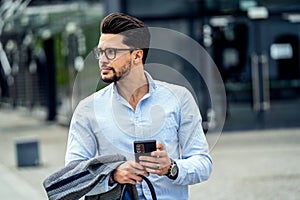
(78, 178)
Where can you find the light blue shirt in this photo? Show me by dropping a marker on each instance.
(105, 123)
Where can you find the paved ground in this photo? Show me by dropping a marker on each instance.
(26, 183)
(254, 165)
(247, 165)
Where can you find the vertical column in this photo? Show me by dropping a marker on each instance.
(50, 79)
(260, 82)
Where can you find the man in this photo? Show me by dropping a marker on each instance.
(136, 107)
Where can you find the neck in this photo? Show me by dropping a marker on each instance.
(134, 86)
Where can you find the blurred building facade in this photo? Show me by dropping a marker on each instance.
(39, 42)
(254, 43)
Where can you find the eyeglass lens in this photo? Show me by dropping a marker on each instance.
(110, 53)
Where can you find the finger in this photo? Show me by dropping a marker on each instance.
(127, 177)
(144, 173)
(124, 177)
(153, 165)
(155, 171)
(130, 181)
(160, 146)
(141, 172)
(159, 154)
(136, 177)
(137, 166)
(149, 159)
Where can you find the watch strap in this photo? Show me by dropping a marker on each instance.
(173, 170)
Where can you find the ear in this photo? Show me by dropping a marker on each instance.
(138, 56)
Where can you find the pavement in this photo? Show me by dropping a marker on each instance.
(248, 165)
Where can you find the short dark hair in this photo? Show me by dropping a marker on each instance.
(136, 33)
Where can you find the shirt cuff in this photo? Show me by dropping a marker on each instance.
(181, 173)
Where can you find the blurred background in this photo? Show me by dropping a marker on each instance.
(254, 44)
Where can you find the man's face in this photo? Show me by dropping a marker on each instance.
(114, 69)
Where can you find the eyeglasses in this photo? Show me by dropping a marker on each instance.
(110, 53)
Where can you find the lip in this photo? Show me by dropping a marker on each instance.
(105, 70)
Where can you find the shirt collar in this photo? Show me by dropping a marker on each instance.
(152, 85)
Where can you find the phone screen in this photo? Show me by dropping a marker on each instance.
(143, 148)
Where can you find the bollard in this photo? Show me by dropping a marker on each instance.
(27, 152)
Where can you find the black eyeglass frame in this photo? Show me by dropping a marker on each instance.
(98, 52)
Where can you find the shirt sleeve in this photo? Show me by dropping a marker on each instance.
(82, 143)
(196, 163)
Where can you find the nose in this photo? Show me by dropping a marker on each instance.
(103, 59)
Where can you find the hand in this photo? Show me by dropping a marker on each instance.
(158, 163)
(128, 173)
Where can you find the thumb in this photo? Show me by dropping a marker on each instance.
(160, 146)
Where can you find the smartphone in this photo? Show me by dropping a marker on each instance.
(143, 148)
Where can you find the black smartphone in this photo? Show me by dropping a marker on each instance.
(143, 148)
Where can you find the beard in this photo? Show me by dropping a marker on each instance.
(124, 70)
(112, 79)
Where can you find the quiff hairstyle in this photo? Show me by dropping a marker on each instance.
(136, 33)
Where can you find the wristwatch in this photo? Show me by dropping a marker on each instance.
(173, 171)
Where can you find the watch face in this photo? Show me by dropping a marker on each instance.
(174, 170)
